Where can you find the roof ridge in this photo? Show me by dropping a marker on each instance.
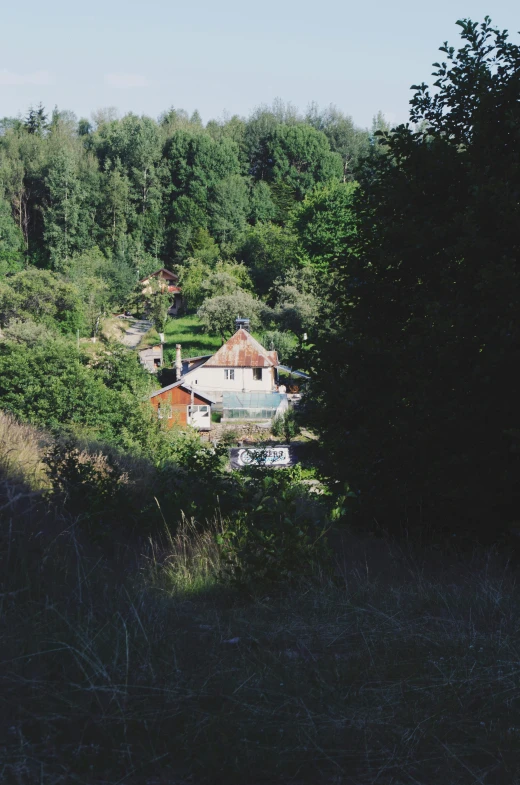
(224, 353)
(186, 385)
(160, 270)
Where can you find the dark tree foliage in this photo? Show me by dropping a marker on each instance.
(11, 241)
(417, 401)
(36, 121)
(196, 167)
(300, 157)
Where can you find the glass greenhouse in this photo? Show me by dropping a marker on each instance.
(253, 405)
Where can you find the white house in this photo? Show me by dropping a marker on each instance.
(241, 365)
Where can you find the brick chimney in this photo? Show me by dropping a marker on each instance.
(178, 362)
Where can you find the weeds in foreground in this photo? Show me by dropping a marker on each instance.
(139, 667)
(278, 537)
(186, 562)
(148, 672)
(21, 449)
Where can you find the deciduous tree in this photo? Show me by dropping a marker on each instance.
(417, 401)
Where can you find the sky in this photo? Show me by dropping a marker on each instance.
(228, 56)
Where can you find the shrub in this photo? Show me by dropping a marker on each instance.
(92, 487)
(280, 535)
(218, 314)
(285, 425)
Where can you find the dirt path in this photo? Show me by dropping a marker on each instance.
(135, 331)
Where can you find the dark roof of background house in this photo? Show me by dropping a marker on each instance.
(168, 274)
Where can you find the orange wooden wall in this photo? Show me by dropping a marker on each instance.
(179, 400)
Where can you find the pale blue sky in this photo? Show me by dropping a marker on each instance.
(227, 55)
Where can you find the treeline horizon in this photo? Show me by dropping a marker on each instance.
(289, 112)
(139, 189)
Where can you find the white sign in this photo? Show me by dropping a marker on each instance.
(267, 456)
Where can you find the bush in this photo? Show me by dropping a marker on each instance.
(218, 314)
(91, 487)
(280, 535)
(285, 425)
(116, 496)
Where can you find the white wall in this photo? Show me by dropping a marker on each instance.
(212, 380)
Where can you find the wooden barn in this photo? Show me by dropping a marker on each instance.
(178, 404)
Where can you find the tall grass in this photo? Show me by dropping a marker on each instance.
(186, 562)
(21, 451)
(394, 668)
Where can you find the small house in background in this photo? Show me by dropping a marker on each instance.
(151, 358)
(168, 282)
(178, 404)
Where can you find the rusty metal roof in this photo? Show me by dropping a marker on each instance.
(242, 351)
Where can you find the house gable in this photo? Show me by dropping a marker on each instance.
(163, 273)
(179, 393)
(174, 403)
(242, 351)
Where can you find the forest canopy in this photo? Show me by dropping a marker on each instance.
(141, 190)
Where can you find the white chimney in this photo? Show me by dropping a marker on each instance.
(178, 362)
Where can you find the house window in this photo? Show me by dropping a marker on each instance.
(257, 374)
(202, 410)
(229, 373)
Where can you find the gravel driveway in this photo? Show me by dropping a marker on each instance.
(135, 331)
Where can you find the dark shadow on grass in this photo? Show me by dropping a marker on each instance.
(391, 670)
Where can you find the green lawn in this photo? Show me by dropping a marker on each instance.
(188, 331)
